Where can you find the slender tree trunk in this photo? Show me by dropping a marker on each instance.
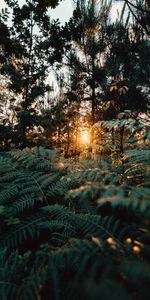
(59, 136)
(29, 73)
(93, 89)
(24, 137)
(112, 136)
(121, 139)
(93, 99)
(68, 141)
(93, 106)
(77, 131)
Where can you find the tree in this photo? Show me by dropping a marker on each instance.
(75, 91)
(32, 37)
(89, 19)
(92, 45)
(141, 13)
(127, 65)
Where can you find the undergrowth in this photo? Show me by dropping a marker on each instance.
(74, 233)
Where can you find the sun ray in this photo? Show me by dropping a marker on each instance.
(85, 137)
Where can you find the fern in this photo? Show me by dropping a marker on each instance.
(137, 167)
(84, 247)
(25, 202)
(18, 233)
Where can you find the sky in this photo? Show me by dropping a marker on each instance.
(64, 10)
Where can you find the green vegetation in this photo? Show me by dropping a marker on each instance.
(71, 231)
(74, 152)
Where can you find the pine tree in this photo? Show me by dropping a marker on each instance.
(140, 10)
(32, 37)
(127, 65)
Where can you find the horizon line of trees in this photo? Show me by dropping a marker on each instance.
(102, 69)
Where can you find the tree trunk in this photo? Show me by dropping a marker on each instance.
(59, 136)
(77, 131)
(29, 73)
(24, 137)
(112, 136)
(68, 141)
(93, 99)
(121, 139)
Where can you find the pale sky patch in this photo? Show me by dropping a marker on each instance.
(64, 10)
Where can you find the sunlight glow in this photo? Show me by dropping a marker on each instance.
(85, 137)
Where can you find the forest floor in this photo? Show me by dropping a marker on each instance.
(74, 229)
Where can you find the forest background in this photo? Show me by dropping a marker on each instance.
(58, 77)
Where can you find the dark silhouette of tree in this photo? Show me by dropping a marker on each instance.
(140, 10)
(35, 47)
(127, 65)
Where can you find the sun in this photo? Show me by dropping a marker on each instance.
(85, 137)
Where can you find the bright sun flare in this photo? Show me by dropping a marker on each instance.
(85, 137)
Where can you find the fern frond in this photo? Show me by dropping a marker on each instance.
(8, 193)
(137, 165)
(25, 202)
(59, 188)
(17, 234)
